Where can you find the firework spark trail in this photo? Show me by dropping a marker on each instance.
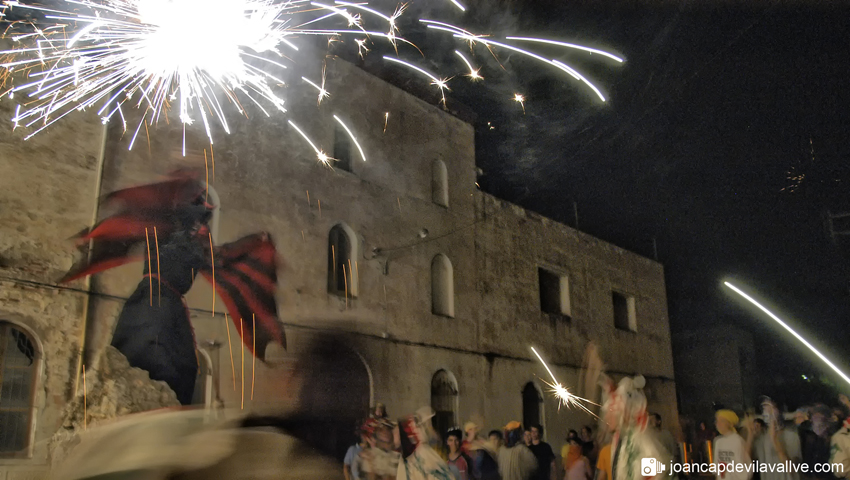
(519, 98)
(323, 94)
(157, 56)
(353, 139)
(562, 393)
(319, 153)
(791, 330)
(473, 72)
(439, 82)
(158, 278)
(150, 278)
(459, 5)
(569, 45)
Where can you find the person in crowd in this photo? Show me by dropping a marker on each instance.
(418, 460)
(486, 459)
(704, 437)
(526, 437)
(730, 448)
(576, 464)
(664, 435)
(516, 462)
(544, 454)
(778, 445)
(603, 463)
(471, 430)
(351, 464)
(588, 444)
(459, 463)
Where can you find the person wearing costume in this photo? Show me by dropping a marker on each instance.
(624, 413)
(418, 460)
(166, 225)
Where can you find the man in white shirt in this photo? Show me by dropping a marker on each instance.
(776, 446)
(730, 449)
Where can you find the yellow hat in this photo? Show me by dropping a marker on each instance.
(513, 425)
(729, 416)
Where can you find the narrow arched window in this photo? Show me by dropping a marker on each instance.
(439, 183)
(204, 381)
(212, 199)
(442, 286)
(444, 401)
(342, 263)
(19, 359)
(532, 405)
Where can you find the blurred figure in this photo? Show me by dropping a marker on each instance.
(485, 458)
(471, 430)
(516, 462)
(418, 460)
(576, 465)
(526, 437)
(704, 437)
(351, 464)
(543, 452)
(603, 463)
(588, 445)
(664, 436)
(778, 445)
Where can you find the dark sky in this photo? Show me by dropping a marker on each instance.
(716, 104)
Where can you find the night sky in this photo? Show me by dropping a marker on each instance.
(718, 104)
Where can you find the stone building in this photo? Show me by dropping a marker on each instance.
(444, 288)
(714, 367)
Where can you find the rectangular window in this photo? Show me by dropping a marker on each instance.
(554, 292)
(342, 149)
(625, 316)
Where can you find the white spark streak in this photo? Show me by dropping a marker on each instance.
(473, 72)
(459, 5)
(562, 393)
(439, 82)
(791, 330)
(356, 143)
(569, 45)
(323, 94)
(319, 154)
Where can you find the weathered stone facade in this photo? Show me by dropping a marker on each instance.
(264, 174)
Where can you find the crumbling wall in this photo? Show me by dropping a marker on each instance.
(113, 390)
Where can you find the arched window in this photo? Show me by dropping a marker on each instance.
(442, 286)
(212, 199)
(342, 261)
(19, 360)
(444, 401)
(439, 183)
(204, 382)
(532, 405)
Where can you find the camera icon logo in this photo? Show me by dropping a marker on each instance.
(650, 467)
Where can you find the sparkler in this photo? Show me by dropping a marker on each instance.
(563, 395)
(353, 139)
(786, 327)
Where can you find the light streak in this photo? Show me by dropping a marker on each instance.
(569, 45)
(212, 262)
(150, 278)
(242, 360)
(158, 278)
(353, 139)
(386, 121)
(459, 5)
(323, 94)
(563, 395)
(253, 349)
(439, 82)
(230, 347)
(791, 330)
(319, 154)
(473, 72)
(85, 401)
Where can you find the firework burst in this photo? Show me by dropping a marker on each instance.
(562, 393)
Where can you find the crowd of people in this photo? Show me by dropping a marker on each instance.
(814, 435)
(514, 452)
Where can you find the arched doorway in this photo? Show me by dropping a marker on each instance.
(532, 405)
(444, 400)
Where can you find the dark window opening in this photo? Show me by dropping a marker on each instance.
(339, 262)
(342, 149)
